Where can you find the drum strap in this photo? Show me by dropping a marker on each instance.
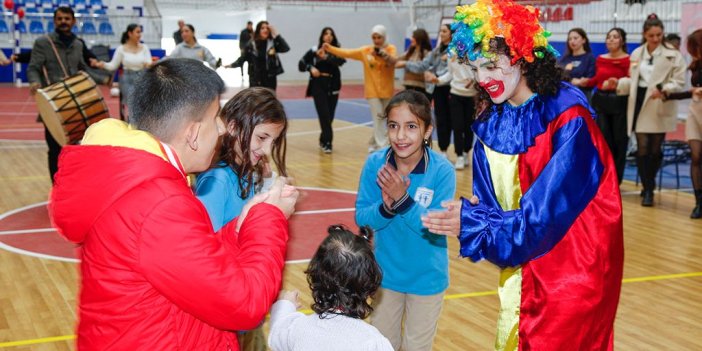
(63, 68)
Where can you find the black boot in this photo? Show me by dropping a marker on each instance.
(643, 164)
(697, 211)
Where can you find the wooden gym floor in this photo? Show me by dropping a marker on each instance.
(661, 301)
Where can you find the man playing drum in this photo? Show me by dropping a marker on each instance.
(45, 68)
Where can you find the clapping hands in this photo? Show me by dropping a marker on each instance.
(392, 184)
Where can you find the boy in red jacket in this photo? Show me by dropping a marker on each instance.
(154, 274)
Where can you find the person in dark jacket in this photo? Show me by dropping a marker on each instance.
(244, 38)
(324, 84)
(262, 55)
(177, 37)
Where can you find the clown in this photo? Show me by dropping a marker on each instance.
(546, 207)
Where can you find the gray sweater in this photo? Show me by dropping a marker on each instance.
(43, 56)
(197, 52)
(294, 331)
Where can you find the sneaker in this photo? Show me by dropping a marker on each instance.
(327, 149)
(460, 162)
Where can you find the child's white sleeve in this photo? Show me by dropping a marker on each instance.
(283, 315)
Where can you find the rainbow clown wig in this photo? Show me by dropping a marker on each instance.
(476, 25)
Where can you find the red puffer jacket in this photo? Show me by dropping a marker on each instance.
(154, 275)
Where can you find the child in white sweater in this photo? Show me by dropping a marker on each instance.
(342, 275)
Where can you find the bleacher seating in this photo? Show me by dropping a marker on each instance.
(89, 28)
(3, 26)
(50, 27)
(22, 27)
(36, 27)
(105, 29)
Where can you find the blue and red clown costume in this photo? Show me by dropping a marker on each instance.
(550, 216)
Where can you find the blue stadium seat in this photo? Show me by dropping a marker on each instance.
(100, 12)
(22, 27)
(50, 27)
(89, 28)
(32, 14)
(106, 29)
(95, 3)
(36, 27)
(76, 29)
(63, 3)
(78, 2)
(3, 27)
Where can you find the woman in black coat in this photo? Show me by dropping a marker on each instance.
(262, 55)
(324, 84)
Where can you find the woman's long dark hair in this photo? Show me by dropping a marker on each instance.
(586, 45)
(423, 44)
(257, 31)
(130, 28)
(543, 76)
(622, 34)
(241, 114)
(334, 41)
(694, 48)
(343, 274)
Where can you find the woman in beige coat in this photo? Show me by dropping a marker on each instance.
(655, 69)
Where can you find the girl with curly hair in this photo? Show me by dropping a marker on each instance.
(343, 275)
(546, 207)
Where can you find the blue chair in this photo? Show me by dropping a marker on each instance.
(89, 28)
(36, 27)
(78, 2)
(106, 29)
(76, 29)
(32, 14)
(50, 26)
(95, 3)
(22, 27)
(3, 27)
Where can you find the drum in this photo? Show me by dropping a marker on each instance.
(69, 107)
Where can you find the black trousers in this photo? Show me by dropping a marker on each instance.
(442, 116)
(325, 102)
(53, 154)
(462, 111)
(611, 118)
(264, 81)
(649, 153)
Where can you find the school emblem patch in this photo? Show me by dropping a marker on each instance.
(423, 196)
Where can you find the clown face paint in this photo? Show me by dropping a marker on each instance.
(497, 76)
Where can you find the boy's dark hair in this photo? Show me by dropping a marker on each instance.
(65, 9)
(543, 76)
(343, 273)
(241, 114)
(170, 93)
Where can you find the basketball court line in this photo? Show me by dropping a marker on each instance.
(446, 297)
(73, 260)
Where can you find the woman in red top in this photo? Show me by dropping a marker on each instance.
(611, 107)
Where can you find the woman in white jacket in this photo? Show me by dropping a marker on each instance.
(461, 107)
(655, 70)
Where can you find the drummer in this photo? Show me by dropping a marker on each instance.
(46, 68)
